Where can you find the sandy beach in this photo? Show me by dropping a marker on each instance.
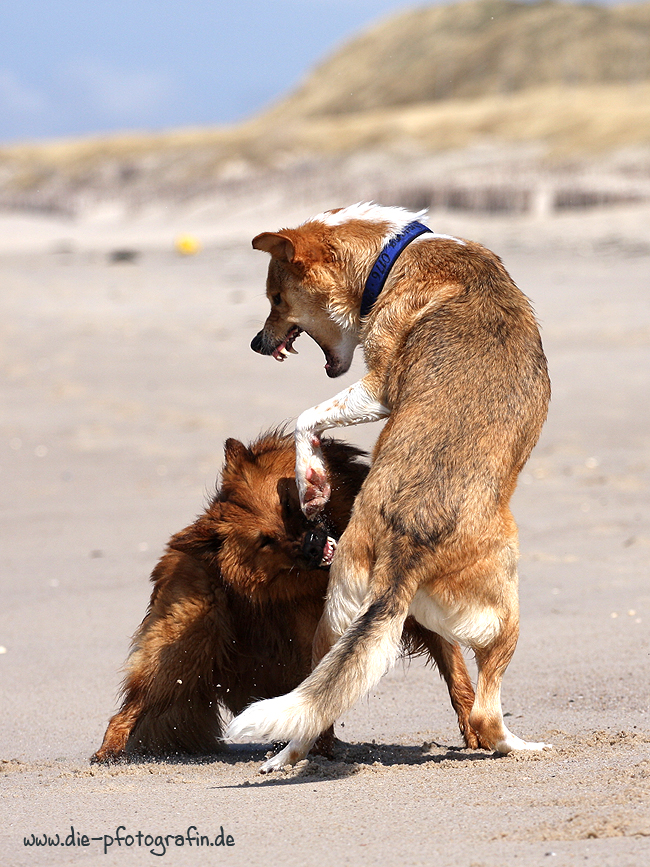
(120, 383)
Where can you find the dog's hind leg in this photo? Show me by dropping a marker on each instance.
(117, 734)
(450, 662)
(478, 607)
(170, 699)
(493, 653)
(486, 716)
(169, 702)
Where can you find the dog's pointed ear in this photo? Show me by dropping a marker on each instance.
(235, 452)
(278, 245)
(297, 247)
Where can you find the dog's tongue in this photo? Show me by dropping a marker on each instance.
(282, 351)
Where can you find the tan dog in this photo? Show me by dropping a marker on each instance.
(455, 361)
(235, 604)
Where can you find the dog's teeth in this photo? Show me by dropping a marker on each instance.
(328, 551)
(292, 350)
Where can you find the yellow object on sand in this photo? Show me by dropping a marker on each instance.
(187, 245)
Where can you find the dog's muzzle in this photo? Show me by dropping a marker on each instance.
(261, 345)
(279, 349)
(318, 548)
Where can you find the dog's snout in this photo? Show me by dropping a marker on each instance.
(257, 343)
(262, 343)
(313, 546)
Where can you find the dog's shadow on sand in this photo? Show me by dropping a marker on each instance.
(350, 759)
(347, 760)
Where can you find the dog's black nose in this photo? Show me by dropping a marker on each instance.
(256, 343)
(313, 546)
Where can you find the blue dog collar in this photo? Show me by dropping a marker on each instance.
(385, 261)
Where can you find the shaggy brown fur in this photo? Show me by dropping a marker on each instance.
(235, 606)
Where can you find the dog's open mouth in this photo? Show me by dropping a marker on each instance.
(283, 349)
(328, 551)
(318, 548)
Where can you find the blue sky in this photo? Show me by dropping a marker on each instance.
(77, 67)
(70, 67)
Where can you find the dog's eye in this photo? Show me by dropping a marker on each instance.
(265, 541)
(276, 299)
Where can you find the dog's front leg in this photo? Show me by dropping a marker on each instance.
(355, 405)
(295, 751)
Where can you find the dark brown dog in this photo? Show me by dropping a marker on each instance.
(235, 605)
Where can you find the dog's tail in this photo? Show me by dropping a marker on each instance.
(356, 663)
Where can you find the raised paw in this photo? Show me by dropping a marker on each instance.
(317, 490)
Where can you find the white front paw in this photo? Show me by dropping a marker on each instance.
(311, 476)
(294, 752)
(274, 763)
